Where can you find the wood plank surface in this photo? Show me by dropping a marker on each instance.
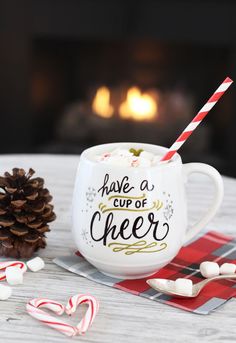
(123, 317)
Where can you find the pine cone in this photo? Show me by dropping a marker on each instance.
(24, 213)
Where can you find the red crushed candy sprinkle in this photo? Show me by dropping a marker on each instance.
(105, 156)
(135, 163)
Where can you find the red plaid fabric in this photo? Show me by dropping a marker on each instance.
(212, 246)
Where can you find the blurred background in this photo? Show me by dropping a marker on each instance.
(74, 73)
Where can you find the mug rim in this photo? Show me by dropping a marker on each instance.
(176, 159)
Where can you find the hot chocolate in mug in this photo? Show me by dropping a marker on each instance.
(130, 222)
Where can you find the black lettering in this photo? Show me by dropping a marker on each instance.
(104, 188)
(116, 204)
(123, 227)
(136, 226)
(115, 186)
(96, 214)
(145, 186)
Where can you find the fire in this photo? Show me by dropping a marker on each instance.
(138, 106)
(101, 103)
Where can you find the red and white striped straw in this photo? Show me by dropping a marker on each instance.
(197, 119)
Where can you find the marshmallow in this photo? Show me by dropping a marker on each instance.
(118, 161)
(209, 269)
(170, 285)
(144, 162)
(5, 292)
(14, 275)
(227, 268)
(164, 284)
(123, 157)
(184, 286)
(156, 160)
(122, 152)
(36, 264)
(147, 155)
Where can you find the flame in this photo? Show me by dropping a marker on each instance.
(101, 103)
(138, 106)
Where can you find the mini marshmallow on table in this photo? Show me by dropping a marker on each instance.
(5, 292)
(227, 268)
(36, 264)
(14, 275)
(209, 269)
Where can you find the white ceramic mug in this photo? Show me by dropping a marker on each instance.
(130, 222)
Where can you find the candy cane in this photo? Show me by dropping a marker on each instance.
(4, 265)
(93, 307)
(55, 323)
(197, 119)
(33, 308)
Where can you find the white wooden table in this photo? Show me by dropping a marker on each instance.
(123, 317)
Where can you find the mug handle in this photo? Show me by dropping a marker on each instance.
(202, 168)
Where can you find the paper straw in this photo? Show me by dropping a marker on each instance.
(197, 119)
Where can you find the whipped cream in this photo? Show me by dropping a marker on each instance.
(126, 158)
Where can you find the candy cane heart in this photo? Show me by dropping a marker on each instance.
(34, 305)
(93, 307)
(4, 265)
(33, 308)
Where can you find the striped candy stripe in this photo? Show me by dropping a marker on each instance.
(33, 308)
(197, 119)
(93, 307)
(55, 323)
(4, 265)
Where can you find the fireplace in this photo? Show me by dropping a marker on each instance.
(135, 90)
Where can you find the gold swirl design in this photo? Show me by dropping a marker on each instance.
(101, 206)
(137, 247)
